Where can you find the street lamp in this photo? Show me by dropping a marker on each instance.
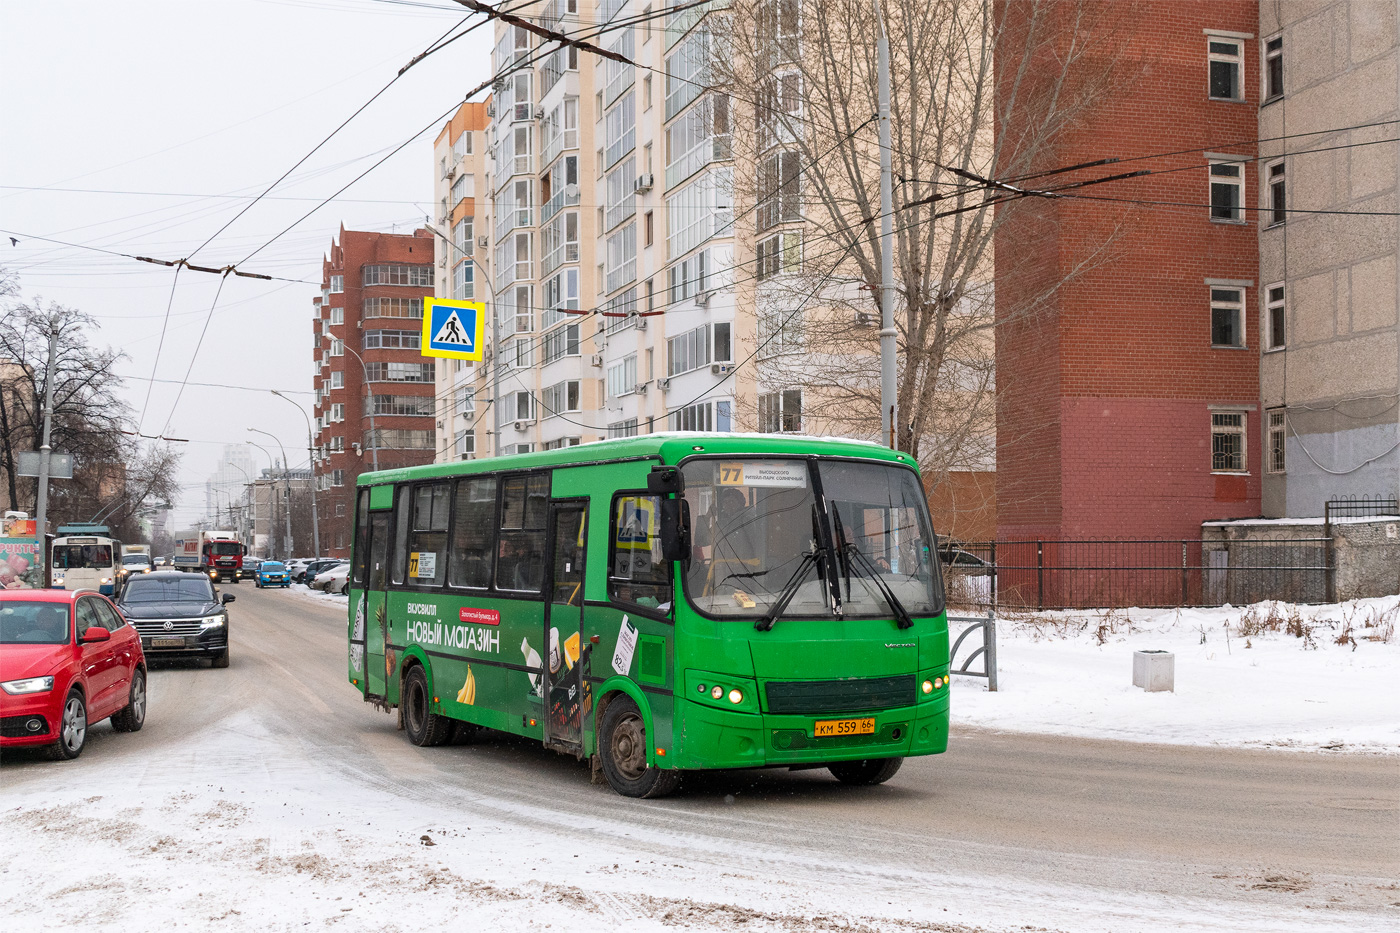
(271, 502)
(369, 404)
(287, 483)
(311, 459)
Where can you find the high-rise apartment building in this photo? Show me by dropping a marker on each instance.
(374, 389)
(595, 186)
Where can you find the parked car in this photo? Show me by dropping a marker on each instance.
(333, 579)
(69, 660)
(249, 570)
(968, 577)
(179, 615)
(272, 573)
(308, 573)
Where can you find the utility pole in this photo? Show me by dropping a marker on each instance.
(41, 510)
(889, 391)
(311, 463)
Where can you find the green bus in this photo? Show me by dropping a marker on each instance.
(658, 604)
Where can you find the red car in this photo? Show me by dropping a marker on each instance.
(57, 678)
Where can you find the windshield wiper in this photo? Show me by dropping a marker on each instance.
(799, 576)
(845, 551)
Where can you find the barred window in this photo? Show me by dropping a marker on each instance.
(395, 274)
(1227, 441)
(1278, 437)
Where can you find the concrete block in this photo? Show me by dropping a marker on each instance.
(1154, 670)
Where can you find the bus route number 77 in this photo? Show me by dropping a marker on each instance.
(731, 474)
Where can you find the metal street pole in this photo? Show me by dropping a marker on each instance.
(41, 509)
(495, 331)
(287, 484)
(271, 503)
(889, 391)
(311, 462)
(369, 407)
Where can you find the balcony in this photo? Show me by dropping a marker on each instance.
(713, 149)
(557, 203)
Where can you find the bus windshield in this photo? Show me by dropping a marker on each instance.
(82, 556)
(759, 534)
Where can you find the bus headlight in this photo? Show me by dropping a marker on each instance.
(717, 691)
(106, 579)
(928, 686)
(736, 696)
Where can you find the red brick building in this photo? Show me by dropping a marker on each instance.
(1127, 359)
(368, 325)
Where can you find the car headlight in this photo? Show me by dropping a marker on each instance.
(28, 685)
(213, 621)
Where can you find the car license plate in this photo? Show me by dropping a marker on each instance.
(167, 643)
(825, 727)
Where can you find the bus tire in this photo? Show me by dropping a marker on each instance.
(867, 772)
(424, 727)
(622, 748)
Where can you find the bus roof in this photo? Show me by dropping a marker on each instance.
(668, 447)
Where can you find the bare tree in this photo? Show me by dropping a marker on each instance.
(802, 75)
(113, 476)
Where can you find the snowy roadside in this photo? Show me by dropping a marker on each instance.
(305, 592)
(1316, 678)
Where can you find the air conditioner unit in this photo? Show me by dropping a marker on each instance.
(491, 110)
(663, 383)
(721, 369)
(641, 323)
(483, 241)
(702, 299)
(865, 319)
(596, 359)
(539, 113)
(452, 173)
(640, 388)
(644, 183)
(521, 425)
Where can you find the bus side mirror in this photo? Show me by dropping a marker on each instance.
(664, 480)
(675, 529)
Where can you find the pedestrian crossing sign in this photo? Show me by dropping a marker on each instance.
(454, 330)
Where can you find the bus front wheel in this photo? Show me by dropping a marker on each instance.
(869, 771)
(622, 746)
(424, 727)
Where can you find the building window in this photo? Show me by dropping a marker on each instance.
(465, 402)
(780, 330)
(415, 405)
(561, 443)
(1227, 441)
(337, 477)
(622, 377)
(337, 445)
(338, 412)
(559, 343)
(627, 428)
(1273, 69)
(705, 344)
(1278, 194)
(337, 284)
(400, 372)
(393, 339)
(1226, 67)
(779, 253)
(340, 510)
(522, 405)
(385, 274)
(780, 411)
(703, 416)
(649, 225)
(1275, 318)
(560, 397)
(779, 185)
(399, 439)
(465, 447)
(1226, 317)
(1278, 435)
(337, 379)
(337, 316)
(1227, 192)
(411, 308)
(337, 348)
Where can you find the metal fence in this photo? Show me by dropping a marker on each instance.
(1022, 575)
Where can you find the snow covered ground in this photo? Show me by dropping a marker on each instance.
(306, 592)
(1270, 675)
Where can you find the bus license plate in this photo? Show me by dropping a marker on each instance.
(167, 643)
(845, 727)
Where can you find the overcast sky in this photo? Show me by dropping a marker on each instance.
(122, 124)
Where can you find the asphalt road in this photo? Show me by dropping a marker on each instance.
(1253, 831)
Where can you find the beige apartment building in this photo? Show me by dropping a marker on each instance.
(588, 202)
(1329, 253)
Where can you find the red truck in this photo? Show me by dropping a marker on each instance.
(217, 553)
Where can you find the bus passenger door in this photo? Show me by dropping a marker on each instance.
(374, 607)
(565, 689)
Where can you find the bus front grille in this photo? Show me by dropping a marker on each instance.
(856, 694)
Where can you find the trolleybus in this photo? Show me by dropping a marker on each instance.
(659, 604)
(86, 558)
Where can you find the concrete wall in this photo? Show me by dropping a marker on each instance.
(1338, 376)
(1364, 555)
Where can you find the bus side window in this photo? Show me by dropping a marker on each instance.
(427, 543)
(637, 575)
(361, 537)
(473, 532)
(524, 513)
(403, 507)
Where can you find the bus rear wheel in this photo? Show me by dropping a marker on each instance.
(424, 727)
(864, 773)
(622, 747)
